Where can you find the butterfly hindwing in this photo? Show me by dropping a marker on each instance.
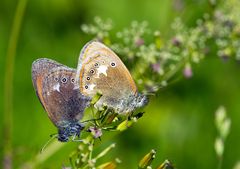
(40, 68)
(101, 70)
(55, 86)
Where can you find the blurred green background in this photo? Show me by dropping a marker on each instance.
(179, 122)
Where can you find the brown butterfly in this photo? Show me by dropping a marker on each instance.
(101, 70)
(55, 86)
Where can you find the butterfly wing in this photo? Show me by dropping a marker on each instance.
(40, 68)
(101, 70)
(57, 92)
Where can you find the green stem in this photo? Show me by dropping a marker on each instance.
(91, 150)
(220, 162)
(172, 72)
(8, 84)
(105, 151)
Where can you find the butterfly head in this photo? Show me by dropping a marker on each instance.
(71, 129)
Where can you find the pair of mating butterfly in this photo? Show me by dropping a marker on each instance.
(65, 92)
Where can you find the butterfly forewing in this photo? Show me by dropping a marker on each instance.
(58, 93)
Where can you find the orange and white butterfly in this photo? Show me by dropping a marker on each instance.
(101, 70)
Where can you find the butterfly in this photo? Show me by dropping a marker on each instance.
(65, 92)
(55, 87)
(101, 70)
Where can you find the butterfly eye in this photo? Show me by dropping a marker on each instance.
(72, 80)
(56, 79)
(64, 80)
(86, 87)
(96, 64)
(113, 64)
(88, 78)
(92, 71)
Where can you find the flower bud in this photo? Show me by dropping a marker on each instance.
(166, 165)
(219, 147)
(147, 160)
(187, 72)
(108, 165)
(124, 125)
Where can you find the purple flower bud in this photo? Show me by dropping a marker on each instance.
(178, 5)
(176, 42)
(139, 42)
(156, 67)
(187, 71)
(64, 167)
(96, 132)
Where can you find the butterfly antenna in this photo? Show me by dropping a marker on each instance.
(53, 136)
(149, 94)
(156, 88)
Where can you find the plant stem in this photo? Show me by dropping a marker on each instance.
(8, 84)
(168, 75)
(91, 150)
(220, 162)
(105, 151)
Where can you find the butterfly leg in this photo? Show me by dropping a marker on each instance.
(76, 140)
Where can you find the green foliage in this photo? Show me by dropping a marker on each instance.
(101, 121)
(167, 57)
(175, 122)
(83, 158)
(223, 124)
(144, 48)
